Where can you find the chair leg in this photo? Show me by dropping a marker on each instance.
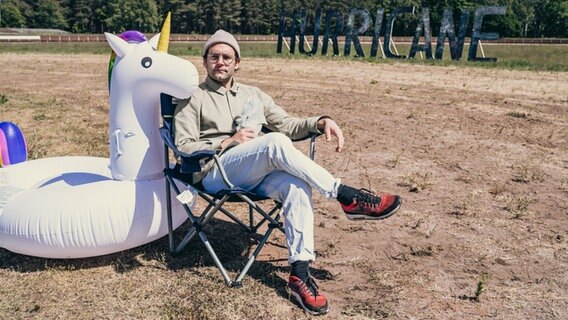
(214, 206)
(193, 231)
(225, 212)
(218, 263)
(251, 218)
(196, 224)
(254, 255)
(264, 214)
(196, 229)
(273, 221)
(169, 216)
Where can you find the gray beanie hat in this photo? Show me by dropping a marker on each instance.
(222, 36)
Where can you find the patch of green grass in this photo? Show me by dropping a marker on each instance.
(515, 57)
(525, 174)
(530, 57)
(480, 289)
(416, 181)
(519, 206)
(56, 47)
(481, 286)
(517, 114)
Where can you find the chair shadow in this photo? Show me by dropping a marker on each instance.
(233, 246)
(229, 240)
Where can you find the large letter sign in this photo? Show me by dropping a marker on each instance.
(337, 17)
(377, 33)
(292, 33)
(353, 36)
(388, 31)
(447, 28)
(359, 22)
(478, 35)
(317, 23)
(423, 26)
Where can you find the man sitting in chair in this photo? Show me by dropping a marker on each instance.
(226, 115)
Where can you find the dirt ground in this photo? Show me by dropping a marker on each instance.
(478, 155)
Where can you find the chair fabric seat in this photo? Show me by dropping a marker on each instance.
(176, 173)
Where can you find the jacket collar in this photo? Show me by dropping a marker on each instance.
(216, 87)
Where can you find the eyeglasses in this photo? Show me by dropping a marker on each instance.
(227, 59)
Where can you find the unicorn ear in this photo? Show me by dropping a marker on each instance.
(119, 46)
(154, 40)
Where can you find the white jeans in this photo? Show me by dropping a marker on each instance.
(271, 166)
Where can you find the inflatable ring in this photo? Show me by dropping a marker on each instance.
(74, 207)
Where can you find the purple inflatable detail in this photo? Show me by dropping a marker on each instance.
(13, 147)
(133, 36)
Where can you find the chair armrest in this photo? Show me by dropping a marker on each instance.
(190, 162)
(312, 136)
(223, 173)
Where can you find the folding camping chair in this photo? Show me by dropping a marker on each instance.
(189, 163)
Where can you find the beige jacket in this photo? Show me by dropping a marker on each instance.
(211, 115)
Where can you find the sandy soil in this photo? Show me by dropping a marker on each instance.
(479, 156)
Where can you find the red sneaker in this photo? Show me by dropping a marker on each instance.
(371, 206)
(308, 295)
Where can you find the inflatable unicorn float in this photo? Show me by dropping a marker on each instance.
(74, 207)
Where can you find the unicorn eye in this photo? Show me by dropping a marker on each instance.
(147, 62)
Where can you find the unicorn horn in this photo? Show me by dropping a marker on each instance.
(164, 41)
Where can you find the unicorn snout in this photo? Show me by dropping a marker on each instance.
(182, 92)
(191, 83)
(191, 91)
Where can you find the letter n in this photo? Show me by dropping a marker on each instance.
(423, 27)
(447, 29)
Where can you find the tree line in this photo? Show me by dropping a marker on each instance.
(524, 18)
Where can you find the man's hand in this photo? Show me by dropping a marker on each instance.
(243, 135)
(331, 129)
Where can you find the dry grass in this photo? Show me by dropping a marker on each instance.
(416, 181)
(486, 149)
